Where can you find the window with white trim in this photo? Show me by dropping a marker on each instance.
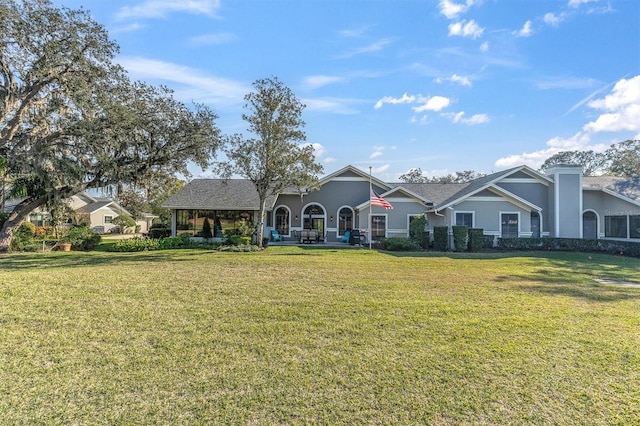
(464, 219)
(509, 225)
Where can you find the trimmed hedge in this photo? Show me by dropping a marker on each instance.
(398, 244)
(440, 238)
(626, 248)
(476, 236)
(183, 241)
(460, 237)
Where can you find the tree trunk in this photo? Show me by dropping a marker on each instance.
(263, 208)
(16, 218)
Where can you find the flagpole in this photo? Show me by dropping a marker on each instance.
(370, 210)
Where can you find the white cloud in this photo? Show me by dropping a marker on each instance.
(451, 9)
(161, 8)
(566, 83)
(466, 29)
(525, 31)
(212, 39)
(127, 28)
(189, 84)
(458, 117)
(455, 78)
(342, 106)
(553, 19)
(405, 99)
(435, 103)
(621, 108)
(380, 169)
(329, 160)
(375, 154)
(578, 142)
(621, 114)
(316, 81)
(484, 47)
(371, 48)
(318, 149)
(354, 32)
(577, 3)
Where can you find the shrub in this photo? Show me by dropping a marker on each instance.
(476, 236)
(398, 244)
(627, 248)
(206, 229)
(159, 231)
(82, 238)
(135, 244)
(124, 221)
(440, 238)
(417, 231)
(234, 240)
(488, 241)
(23, 238)
(460, 237)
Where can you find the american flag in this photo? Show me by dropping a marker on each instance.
(377, 200)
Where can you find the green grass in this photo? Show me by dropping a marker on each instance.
(318, 336)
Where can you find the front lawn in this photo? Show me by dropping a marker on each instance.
(296, 335)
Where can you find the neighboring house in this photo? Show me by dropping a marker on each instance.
(98, 212)
(102, 211)
(518, 202)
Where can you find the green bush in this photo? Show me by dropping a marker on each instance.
(235, 240)
(135, 244)
(82, 238)
(398, 244)
(488, 241)
(206, 229)
(626, 248)
(417, 231)
(476, 236)
(460, 237)
(441, 238)
(23, 238)
(159, 231)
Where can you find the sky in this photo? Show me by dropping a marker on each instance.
(440, 85)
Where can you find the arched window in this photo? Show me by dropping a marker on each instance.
(313, 217)
(282, 220)
(345, 220)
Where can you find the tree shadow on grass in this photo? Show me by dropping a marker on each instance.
(82, 259)
(592, 292)
(576, 280)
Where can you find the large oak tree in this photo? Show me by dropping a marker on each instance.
(71, 120)
(276, 158)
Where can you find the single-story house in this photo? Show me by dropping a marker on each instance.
(98, 212)
(518, 202)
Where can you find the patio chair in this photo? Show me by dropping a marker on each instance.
(275, 235)
(345, 237)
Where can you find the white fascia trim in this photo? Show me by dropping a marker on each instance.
(620, 196)
(524, 180)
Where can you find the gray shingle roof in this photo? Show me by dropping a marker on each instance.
(217, 194)
(626, 186)
(435, 193)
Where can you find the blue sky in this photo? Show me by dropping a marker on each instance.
(443, 85)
